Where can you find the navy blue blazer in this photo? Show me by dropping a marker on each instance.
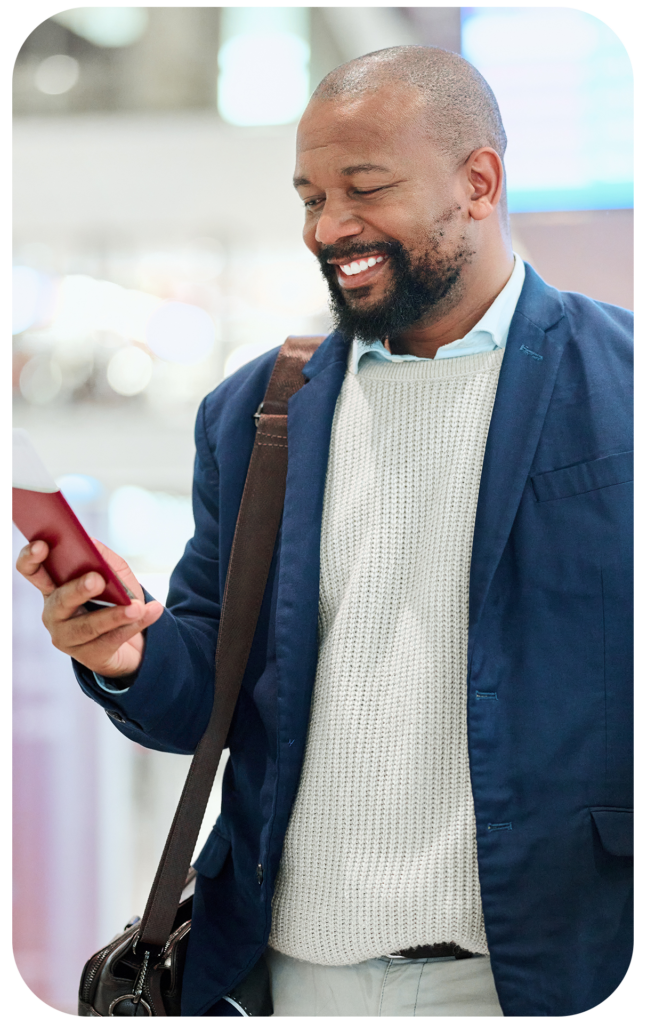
(549, 691)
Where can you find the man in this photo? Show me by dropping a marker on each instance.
(426, 809)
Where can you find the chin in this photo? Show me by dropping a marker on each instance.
(357, 294)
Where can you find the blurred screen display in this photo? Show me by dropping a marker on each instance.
(564, 84)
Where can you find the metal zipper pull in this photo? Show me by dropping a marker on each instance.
(141, 977)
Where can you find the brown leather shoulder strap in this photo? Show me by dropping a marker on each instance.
(249, 565)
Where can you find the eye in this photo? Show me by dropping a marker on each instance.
(369, 191)
(311, 203)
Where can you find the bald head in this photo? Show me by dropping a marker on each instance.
(463, 114)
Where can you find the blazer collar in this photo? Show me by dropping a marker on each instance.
(332, 349)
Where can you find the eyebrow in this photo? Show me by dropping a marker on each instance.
(348, 172)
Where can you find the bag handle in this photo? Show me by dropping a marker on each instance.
(255, 535)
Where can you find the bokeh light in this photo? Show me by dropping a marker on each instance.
(564, 84)
(79, 488)
(129, 370)
(75, 359)
(40, 380)
(180, 333)
(26, 299)
(57, 74)
(264, 65)
(150, 526)
(243, 354)
(86, 304)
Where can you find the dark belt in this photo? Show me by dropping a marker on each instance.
(437, 950)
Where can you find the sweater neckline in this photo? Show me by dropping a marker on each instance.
(428, 369)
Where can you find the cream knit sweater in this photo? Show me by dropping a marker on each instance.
(380, 851)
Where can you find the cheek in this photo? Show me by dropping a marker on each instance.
(309, 230)
(409, 224)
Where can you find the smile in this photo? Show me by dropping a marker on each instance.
(356, 267)
(361, 271)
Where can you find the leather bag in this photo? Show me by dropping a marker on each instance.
(139, 973)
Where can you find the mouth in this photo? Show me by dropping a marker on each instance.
(357, 273)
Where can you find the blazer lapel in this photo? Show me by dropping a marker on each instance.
(310, 416)
(533, 351)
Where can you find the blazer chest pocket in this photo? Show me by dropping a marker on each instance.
(213, 855)
(615, 827)
(584, 476)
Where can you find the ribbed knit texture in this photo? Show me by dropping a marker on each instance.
(380, 851)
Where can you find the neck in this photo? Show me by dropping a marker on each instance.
(479, 286)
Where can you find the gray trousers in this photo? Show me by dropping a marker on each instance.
(383, 987)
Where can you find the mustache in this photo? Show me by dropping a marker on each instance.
(351, 250)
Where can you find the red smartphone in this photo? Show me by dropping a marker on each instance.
(41, 513)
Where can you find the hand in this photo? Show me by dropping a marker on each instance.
(110, 641)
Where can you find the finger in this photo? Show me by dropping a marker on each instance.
(121, 568)
(63, 603)
(115, 625)
(153, 611)
(102, 648)
(29, 564)
(84, 627)
(121, 634)
(110, 653)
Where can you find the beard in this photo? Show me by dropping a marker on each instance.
(420, 291)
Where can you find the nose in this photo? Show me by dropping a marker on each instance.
(334, 223)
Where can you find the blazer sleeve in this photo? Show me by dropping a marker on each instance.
(167, 706)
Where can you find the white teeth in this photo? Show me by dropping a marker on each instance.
(358, 266)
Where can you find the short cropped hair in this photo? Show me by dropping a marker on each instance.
(464, 113)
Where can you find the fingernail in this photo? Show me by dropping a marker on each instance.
(133, 611)
(90, 581)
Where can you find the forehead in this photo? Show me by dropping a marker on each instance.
(387, 121)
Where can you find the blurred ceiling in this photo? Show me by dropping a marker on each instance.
(169, 61)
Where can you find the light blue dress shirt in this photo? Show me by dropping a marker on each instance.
(490, 333)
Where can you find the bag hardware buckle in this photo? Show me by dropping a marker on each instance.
(131, 995)
(135, 996)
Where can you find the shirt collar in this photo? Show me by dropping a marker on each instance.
(489, 333)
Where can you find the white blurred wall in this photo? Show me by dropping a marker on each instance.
(136, 177)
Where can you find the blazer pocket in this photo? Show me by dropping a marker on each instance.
(583, 477)
(615, 827)
(213, 855)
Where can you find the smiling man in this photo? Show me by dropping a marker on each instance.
(427, 806)
(403, 184)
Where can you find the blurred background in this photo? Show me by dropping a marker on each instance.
(157, 249)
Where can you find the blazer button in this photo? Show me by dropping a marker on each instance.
(115, 714)
(259, 874)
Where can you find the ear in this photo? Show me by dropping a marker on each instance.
(485, 181)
